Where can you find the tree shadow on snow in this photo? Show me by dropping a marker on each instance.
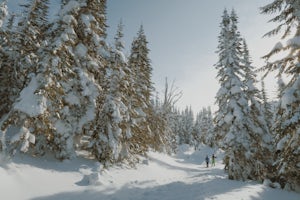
(50, 163)
(172, 191)
(274, 194)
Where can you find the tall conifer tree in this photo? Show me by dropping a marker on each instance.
(6, 70)
(109, 142)
(267, 107)
(236, 125)
(140, 97)
(288, 129)
(261, 139)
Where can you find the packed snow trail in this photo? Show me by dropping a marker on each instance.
(161, 177)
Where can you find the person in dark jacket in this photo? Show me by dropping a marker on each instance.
(207, 160)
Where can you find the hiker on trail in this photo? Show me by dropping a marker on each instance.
(207, 160)
(213, 160)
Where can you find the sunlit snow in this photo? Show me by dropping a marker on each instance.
(163, 177)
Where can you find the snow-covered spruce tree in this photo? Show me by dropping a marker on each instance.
(277, 119)
(30, 34)
(210, 135)
(6, 71)
(91, 58)
(125, 90)
(24, 43)
(278, 122)
(232, 121)
(197, 129)
(20, 45)
(91, 30)
(77, 53)
(65, 89)
(62, 86)
(266, 107)
(175, 122)
(178, 127)
(140, 96)
(288, 130)
(204, 128)
(187, 127)
(9, 73)
(261, 144)
(109, 142)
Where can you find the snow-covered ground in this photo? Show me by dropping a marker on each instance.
(162, 177)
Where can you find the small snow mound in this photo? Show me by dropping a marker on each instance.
(90, 179)
(94, 179)
(276, 185)
(267, 182)
(271, 184)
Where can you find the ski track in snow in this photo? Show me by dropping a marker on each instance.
(159, 177)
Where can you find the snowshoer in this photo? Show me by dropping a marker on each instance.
(207, 160)
(213, 160)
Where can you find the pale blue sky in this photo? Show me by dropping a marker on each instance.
(183, 39)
